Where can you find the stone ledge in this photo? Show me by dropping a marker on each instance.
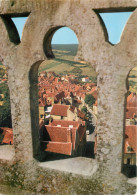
(77, 165)
(7, 152)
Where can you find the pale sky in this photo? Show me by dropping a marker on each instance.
(114, 22)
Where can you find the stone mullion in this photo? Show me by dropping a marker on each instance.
(110, 123)
(21, 118)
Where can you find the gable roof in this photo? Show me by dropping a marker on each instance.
(94, 92)
(59, 110)
(64, 123)
(7, 135)
(80, 114)
(132, 100)
(130, 112)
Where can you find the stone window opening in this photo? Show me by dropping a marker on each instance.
(130, 126)
(15, 30)
(6, 131)
(52, 52)
(113, 31)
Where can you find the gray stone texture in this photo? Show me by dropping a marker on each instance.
(112, 64)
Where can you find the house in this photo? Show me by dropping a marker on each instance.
(85, 79)
(51, 74)
(66, 112)
(41, 108)
(94, 92)
(130, 147)
(64, 137)
(95, 108)
(131, 109)
(6, 135)
(43, 74)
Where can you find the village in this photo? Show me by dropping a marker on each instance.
(68, 117)
(65, 109)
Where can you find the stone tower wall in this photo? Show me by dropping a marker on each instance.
(112, 64)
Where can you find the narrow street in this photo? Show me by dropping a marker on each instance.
(90, 137)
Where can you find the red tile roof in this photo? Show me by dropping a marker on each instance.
(132, 100)
(94, 92)
(8, 135)
(56, 134)
(42, 104)
(60, 95)
(64, 123)
(65, 133)
(72, 108)
(61, 148)
(80, 114)
(96, 103)
(59, 110)
(130, 112)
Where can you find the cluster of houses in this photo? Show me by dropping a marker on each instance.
(60, 103)
(130, 150)
(63, 124)
(62, 90)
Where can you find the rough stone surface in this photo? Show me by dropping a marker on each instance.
(112, 64)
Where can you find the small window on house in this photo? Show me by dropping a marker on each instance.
(128, 161)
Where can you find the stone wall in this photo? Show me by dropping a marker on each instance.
(112, 65)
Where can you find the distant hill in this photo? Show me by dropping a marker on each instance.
(64, 61)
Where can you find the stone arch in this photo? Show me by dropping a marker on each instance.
(34, 29)
(127, 76)
(47, 41)
(130, 122)
(109, 63)
(33, 78)
(38, 27)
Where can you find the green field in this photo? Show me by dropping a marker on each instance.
(64, 61)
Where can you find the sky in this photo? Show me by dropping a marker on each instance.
(114, 22)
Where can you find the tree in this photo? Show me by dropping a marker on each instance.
(76, 70)
(93, 79)
(84, 109)
(90, 100)
(74, 81)
(1, 99)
